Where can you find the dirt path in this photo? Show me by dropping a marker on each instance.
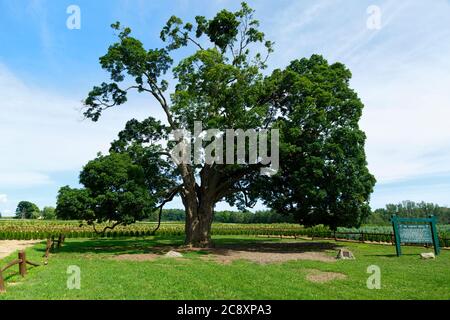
(9, 246)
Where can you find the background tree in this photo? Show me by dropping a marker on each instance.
(73, 204)
(410, 209)
(48, 213)
(27, 210)
(324, 177)
(115, 193)
(223, 84)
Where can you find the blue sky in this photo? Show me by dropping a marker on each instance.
(401, 72)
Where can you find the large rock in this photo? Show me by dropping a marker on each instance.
(427, 255)
(345, 254)
(173, 254)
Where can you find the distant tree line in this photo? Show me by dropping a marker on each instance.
(68, 210)
(409, 209)
(29, 210)
(264, 216)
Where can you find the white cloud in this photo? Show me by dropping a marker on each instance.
(407, 124)
(399, 72)
(3, 198)
(43, 132)
(20, 179)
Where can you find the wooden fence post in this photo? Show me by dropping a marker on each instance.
(49, 246)
(22, 263)
(60, 239)
(2, 283)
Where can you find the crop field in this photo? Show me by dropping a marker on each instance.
(251, 268)
(288, 262)
(35, 229)
(41, 229)
(444, 230)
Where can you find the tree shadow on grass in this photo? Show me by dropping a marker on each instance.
(279, 247)
(393, 255)
(11, 275)
(162, 244)
(114, 246)
(272, 252)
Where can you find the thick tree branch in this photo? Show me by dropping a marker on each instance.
(169, 198)
(226, 187)
(158, 94)
(195, 42)
(105, 228)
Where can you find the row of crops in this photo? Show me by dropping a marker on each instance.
(442, 229)
(32, 229)
(28, 229)
(385, 234)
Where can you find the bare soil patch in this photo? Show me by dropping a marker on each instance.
(273, 252)
(9, 246)
(323, 277)
(261, 252)
(143, 257)
(137, 257)
(265, 257)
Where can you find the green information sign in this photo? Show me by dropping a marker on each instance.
(415, 231)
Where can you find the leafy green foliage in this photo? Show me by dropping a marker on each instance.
(74, 204)
(409, 209)
(48, 213)
(324, 176)
(127, 56)
(140, 141)
(115, 191)
(117, 187)
(27, 210)
(222, 30)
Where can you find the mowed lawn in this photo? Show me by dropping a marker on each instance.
(105, 277)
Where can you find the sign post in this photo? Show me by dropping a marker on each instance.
(415, 231)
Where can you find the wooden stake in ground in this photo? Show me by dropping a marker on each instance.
(22, 263)
(2, 283)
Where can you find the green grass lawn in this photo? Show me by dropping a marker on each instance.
(102, 277)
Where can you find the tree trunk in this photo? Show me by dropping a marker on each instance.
(198, 224)
(199, 202)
